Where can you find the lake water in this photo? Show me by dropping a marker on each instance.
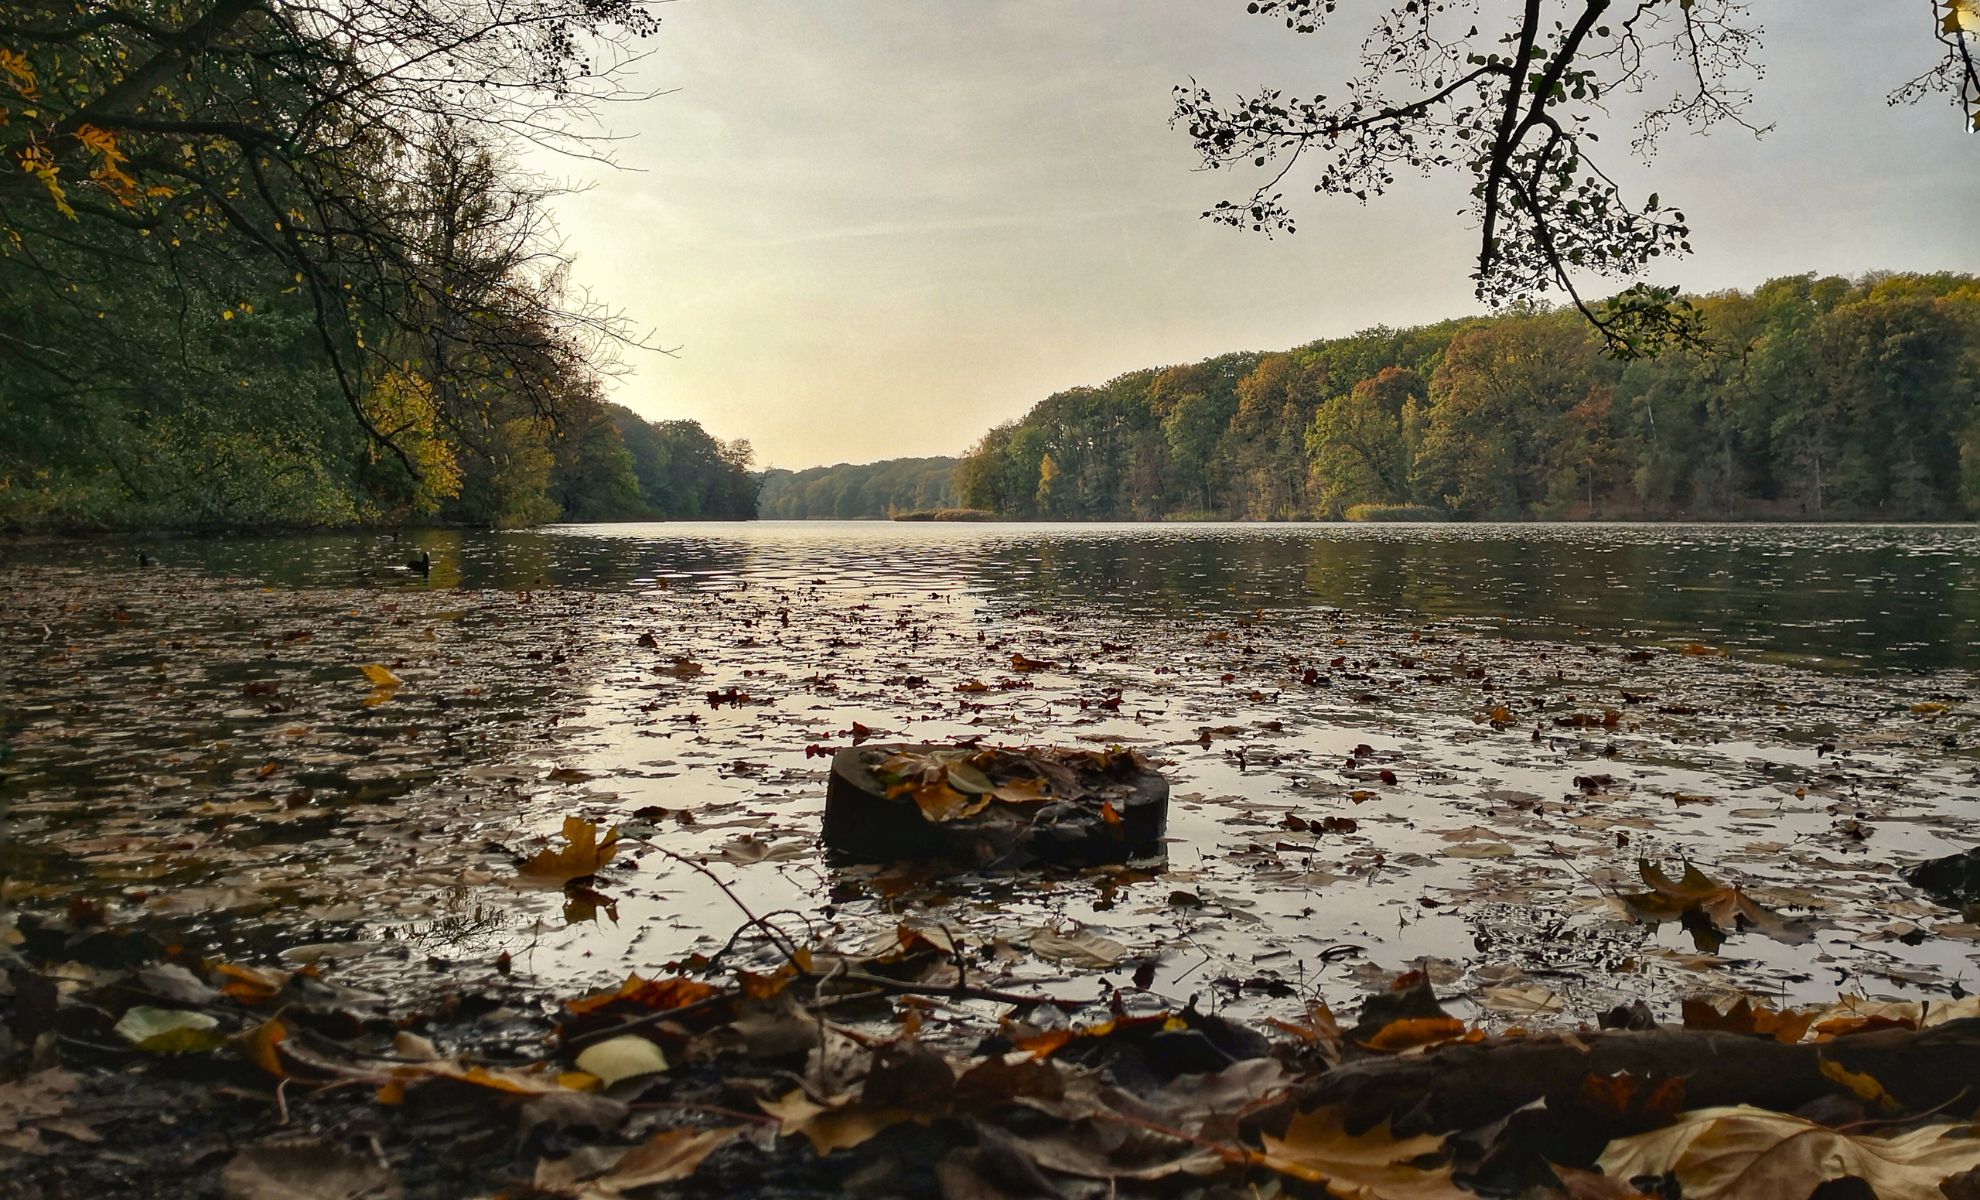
(1503, 718)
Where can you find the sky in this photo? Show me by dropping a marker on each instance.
(875, 228)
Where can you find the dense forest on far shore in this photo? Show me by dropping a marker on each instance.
(855, 492)
(1817, 399)
(269, 265)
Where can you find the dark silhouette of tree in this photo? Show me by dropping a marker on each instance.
(1510, 95)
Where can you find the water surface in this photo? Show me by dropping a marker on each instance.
(1789, 707)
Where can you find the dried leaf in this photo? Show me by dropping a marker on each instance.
(1730, 1153)
(584, 853)
(1081, 948)
(308, 1169)
(1371, 1166)
(169, 1030)
(828, 1127)
(622, 1058)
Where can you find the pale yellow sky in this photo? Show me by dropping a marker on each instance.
(877, 227)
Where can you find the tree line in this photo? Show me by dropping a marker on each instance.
(275, 263)
(1816, 398)
(858, 492)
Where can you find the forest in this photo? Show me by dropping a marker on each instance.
(319, 292)
(1808, 398)
(858, 492)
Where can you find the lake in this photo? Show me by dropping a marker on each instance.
(1502, 719)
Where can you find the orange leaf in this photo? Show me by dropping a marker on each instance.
(1415, 1031)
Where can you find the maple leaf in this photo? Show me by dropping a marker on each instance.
(1371, 1166)
(1725, 1153)
(584, 853)
(1696, 895)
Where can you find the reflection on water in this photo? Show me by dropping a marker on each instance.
(1863, 596)
(198, 744)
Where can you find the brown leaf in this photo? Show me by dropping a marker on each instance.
(828, 1127)
(640, 992)
(305, 1169)
(1371, 1166)
(1730, 1153)
(1414, 1031)
(1696, 897)
(1786, 1026)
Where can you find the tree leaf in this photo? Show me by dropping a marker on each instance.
(1371, 1166)
(1728, 1153)
(1081, 949)
(622, 1058)
(584, 853)
(305, 1170)
(169, 1030)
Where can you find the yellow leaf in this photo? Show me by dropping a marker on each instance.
(1863, 1086)
(623, 1057)
(379, 676)
(584, 853)
(1370, 1166)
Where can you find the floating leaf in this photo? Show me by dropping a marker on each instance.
(380, 677)
(584, 852)
(1081, 949)
(1523, 1001)
(1697, 895)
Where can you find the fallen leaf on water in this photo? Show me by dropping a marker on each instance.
(651, 994)
(1080, 948)
(583, 854)
(1523, 1001)
(384, 684)
(1695, 894)
(1740, 1152)
(1371, 1166)
(745, 849)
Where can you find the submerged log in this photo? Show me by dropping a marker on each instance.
(1953, 881)
(987, 806)
(1469, 1085)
